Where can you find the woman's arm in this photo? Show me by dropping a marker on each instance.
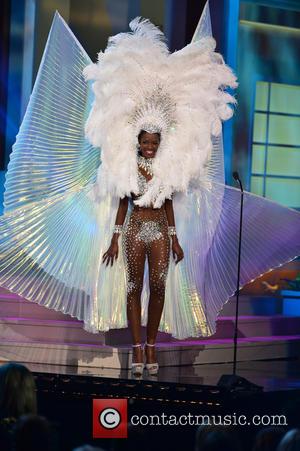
(176, 248)
(170, 212)
(113, 250)
(120, 217)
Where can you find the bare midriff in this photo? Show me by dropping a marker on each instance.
(146, 212)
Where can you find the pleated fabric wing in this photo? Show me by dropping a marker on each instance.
(52, 233)
(207, 223)
(51, 155)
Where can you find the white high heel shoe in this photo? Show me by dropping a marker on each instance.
(152, 368)
(138, 367)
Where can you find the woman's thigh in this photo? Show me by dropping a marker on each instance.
(134, 251)
(158, 253)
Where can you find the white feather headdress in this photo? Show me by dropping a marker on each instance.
(139, 84)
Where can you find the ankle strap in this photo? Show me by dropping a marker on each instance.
(137, 345)
(148, 344)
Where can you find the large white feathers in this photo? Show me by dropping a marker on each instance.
(138, 81)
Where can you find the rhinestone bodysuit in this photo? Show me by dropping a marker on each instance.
(145, 235)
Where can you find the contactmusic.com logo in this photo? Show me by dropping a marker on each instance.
(109, 418)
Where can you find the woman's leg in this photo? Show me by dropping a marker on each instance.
(158, 258)
(135, 255)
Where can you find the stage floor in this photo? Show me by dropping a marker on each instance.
(273, 375)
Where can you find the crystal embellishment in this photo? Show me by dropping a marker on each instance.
(149, 232)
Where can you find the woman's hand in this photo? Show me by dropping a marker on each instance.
(111, 253)
(177, 251)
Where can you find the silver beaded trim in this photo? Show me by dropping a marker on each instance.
(171, 230)
(146, 164)
(118, 228)
(154, 111)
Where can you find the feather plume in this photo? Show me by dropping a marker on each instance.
(138, 81)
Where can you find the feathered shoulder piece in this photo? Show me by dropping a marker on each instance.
(139, 85)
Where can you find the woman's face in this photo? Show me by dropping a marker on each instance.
(149, 143)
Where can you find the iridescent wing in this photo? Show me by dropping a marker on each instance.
(53, 233)
(215, 166)
(204, 25)
(207, 223)
(51, 155)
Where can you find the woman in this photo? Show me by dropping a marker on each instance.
(60, 208)
(147, 233)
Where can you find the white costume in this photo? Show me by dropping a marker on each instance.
(63, 187)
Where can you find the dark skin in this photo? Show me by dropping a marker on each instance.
(149, 143)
